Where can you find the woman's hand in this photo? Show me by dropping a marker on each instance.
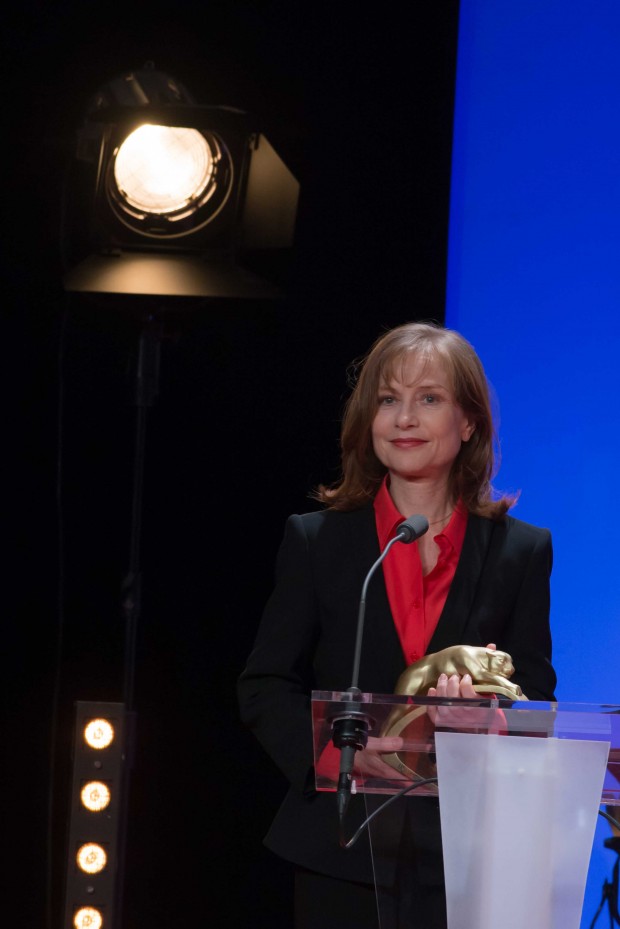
(368, 762)
(466, 717)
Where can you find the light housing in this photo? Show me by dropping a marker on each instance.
(130, 230)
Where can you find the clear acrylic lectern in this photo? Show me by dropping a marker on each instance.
(519, 788)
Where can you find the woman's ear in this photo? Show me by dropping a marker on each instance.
(467, 431)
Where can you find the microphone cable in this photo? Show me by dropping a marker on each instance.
(349, 843)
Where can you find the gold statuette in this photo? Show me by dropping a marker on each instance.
(490, 672)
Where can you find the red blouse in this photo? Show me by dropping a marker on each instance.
(416, 601)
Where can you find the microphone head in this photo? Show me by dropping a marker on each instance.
(412, 528)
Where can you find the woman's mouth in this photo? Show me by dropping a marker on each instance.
(408, 443)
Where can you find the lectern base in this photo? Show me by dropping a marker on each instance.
(518, 817)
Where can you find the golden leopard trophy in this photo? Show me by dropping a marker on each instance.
(490, 672)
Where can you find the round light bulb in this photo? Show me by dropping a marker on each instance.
(95, 796)
(91, 858)
(87, 917)
(162, 169)
(99, 733)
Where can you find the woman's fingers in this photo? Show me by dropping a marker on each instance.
(467, 688)
(392, 743)
(369, 763)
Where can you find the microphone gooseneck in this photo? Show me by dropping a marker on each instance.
(408, 531)
(350, 726)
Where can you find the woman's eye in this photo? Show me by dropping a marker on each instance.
(429, 398)
(386, 400)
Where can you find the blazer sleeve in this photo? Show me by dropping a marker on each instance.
(274, 688)
(528, 633)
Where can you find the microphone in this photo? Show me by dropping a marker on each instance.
(411, 529)
(350, 727)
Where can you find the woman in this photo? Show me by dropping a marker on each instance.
(417, 437)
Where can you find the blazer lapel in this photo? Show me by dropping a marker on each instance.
(459, 602)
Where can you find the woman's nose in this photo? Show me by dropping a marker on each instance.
(406, 415)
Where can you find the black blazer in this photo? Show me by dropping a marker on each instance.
(305, 642)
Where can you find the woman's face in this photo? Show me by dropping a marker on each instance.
(418, 427)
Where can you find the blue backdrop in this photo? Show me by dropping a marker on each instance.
(534, 284)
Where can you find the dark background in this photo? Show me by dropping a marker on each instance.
(359, 106)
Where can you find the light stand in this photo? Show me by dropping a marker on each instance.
(610, 888)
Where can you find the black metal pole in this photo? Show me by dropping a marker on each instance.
(146, 390)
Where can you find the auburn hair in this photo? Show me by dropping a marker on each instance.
(474, 466)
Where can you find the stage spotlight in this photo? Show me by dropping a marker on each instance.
(169, 197)
(95, 841)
